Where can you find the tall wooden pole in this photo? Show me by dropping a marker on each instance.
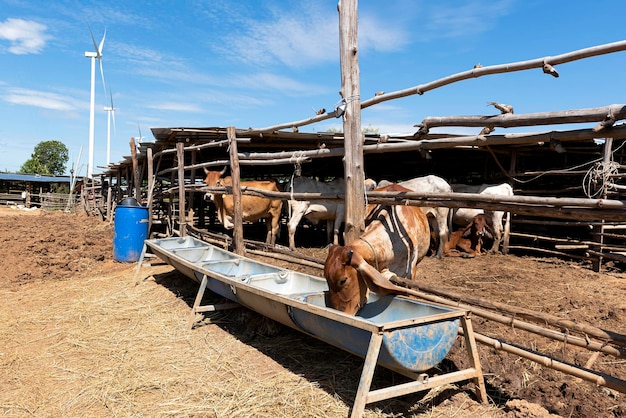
(606, 159)
(150, 162)
(353, 137)
(235, 174)
(180, 153)
(136, 179)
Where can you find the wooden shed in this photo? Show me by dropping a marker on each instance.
(568, 199)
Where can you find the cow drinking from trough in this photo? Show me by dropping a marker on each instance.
(332, 213)
(395, 240)
(253, 207)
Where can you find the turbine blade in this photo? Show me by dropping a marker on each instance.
(112, 108)
(95, 45)
(113, 115)
(111, 97)
(99, 50)
(104, 87)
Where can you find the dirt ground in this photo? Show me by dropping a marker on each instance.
(81, 336)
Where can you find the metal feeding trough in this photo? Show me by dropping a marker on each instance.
(401, 334)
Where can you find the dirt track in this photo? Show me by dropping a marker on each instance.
(78, 338)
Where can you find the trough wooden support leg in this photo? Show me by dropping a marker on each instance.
(472, 351)
(140, 263)
(196, 303)
(367, 375)
(206, 308)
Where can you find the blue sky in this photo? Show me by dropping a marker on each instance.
(257, 63)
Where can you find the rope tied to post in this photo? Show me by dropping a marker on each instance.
(599, 179)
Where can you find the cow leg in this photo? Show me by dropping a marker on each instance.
(495, 219)
(442, 226)
(506, 234)
(297, 212)
(465, 245)
(272, 228)
(331, 236)
(339, 215)
(497, 238)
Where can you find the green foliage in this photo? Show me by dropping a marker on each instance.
(49, 157)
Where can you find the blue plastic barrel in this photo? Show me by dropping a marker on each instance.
(130, 231)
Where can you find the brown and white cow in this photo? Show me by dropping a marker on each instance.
(469, 240)
(395, 240)
(253, 207)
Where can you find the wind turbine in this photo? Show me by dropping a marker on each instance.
(110, 112)
(94, 56)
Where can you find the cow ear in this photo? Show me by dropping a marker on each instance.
(489, 231)
(349, 255)
(467, 230)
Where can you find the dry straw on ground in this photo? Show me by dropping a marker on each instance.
(101, 346)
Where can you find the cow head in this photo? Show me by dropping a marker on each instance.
(349, 276)
(213, 179)
(347, 289)
(478, 227)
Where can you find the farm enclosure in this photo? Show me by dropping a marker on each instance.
(78, 337)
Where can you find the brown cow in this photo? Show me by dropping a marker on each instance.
(469, 240)
(395, 240)
(253, 207)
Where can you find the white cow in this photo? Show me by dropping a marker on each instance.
(433, 184)
(462, 216)
(332, 213)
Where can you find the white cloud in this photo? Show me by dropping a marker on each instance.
(25, 36)
(295, 40)
(176, 107)
(41, 99)
(472, 17)
(376, 35)
(275, 82)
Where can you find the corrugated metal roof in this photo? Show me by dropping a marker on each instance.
(34, 178)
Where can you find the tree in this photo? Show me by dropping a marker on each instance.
(49, 157)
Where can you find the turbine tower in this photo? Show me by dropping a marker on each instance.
(110, 112)
(94, 56)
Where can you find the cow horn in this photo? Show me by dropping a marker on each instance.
(206, 170)
(378, 282)
(223, 171)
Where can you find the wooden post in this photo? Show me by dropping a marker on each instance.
(509, 217)
(607, 157)
(150, 162)
(192, 194)
(118, 182)
(239, 247)
(353, 137)
(136, 180)
(109, 204)
(180, 153)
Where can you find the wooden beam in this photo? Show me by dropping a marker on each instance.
(235, 173)
(509, 120)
